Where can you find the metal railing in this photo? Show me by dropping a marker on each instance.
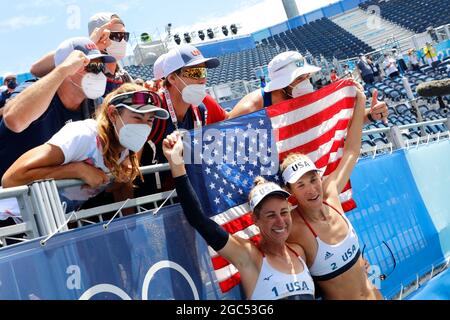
(43, 213)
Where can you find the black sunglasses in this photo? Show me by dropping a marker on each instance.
(119, 36)
(384, 276)
(95, 67)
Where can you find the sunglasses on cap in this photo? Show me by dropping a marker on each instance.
(119, 36)
(137, 98)
(95, 67)
(195, 73)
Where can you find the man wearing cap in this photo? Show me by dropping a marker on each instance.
(108, 32)
(184, 70)
(10, 82)
(289, 73)
(37, 112)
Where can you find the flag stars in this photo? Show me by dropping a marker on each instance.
(212, 186)
(229, 196)
(217, 201)
(261, 122)
(221, 190)
(208, 170)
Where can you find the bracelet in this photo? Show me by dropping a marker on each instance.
(369, 116)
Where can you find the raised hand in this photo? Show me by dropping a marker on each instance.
(378, 109)
(74, 62)
(173, 149)
(100, 36)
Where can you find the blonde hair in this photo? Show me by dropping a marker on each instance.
(110, 142)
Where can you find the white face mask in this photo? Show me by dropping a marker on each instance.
(302, 89)
(117, 49)
(133, 136)
(193, 94)
(93, 85)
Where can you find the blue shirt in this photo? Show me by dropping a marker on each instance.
(364, 67)
(13, 145)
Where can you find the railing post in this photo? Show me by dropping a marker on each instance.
(396, 137)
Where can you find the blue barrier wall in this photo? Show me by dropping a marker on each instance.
(443, 49)
(314, 15)
(144, 257)
(390, 209)
(427, 164)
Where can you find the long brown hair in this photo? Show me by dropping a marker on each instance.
(110, 142)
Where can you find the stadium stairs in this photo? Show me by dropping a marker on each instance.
(373, 30)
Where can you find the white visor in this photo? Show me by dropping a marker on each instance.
(296, 170)
(264, 190)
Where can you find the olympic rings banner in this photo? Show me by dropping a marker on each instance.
(142, 257)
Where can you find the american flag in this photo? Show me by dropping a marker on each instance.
(226, 157)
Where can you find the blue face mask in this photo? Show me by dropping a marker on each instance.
(12, 84)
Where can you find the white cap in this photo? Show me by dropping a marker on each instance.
(158, 72)
(285, 68)
(186, 56)
(264, 190)
(100, 19)
(296, 170)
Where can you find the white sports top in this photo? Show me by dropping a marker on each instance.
(333, 260)
(274, 285)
